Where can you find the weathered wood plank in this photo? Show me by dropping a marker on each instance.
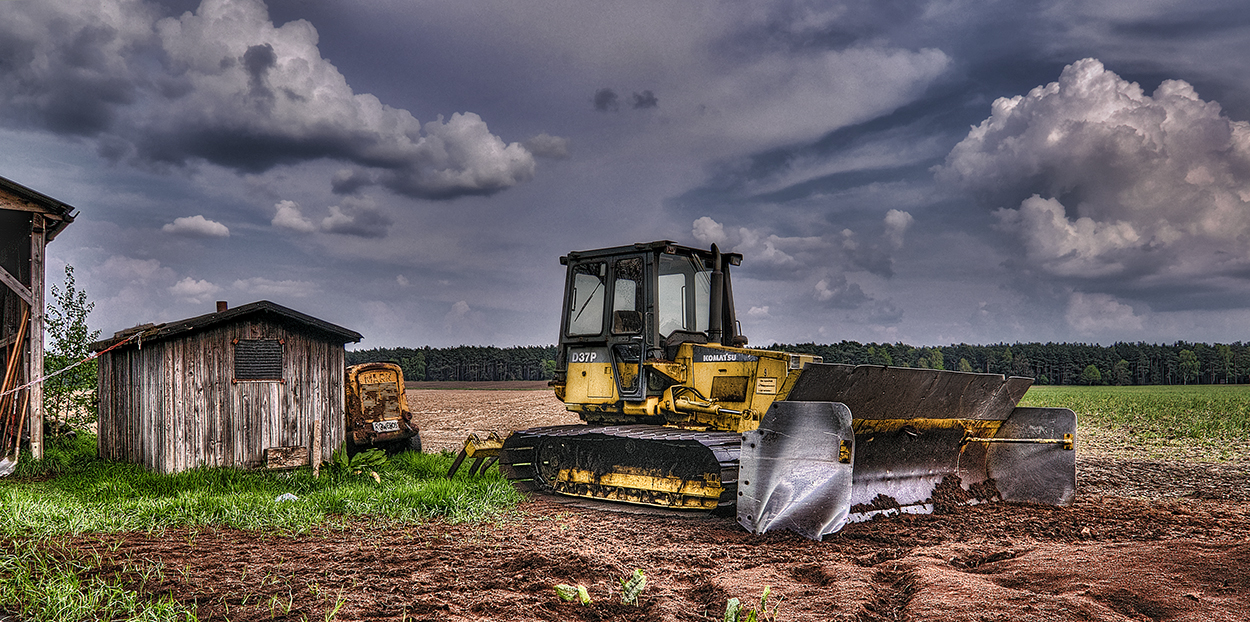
(38, 244)
(315, 456)
(286, 457)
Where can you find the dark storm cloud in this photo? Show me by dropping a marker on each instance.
(606, 100)
(1199, 22)
(74, 88)
(258, 60)
(167, 92)
(645, 99)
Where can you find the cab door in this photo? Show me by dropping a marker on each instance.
(628, 327)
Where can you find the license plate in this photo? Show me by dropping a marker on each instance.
(385, 426)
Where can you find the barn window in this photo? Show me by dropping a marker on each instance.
(258, 359)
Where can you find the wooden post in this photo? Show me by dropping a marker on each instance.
(316, 448)
(38, 242)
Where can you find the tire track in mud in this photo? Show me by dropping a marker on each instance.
(892, 593)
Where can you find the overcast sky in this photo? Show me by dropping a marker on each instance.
(925, 172)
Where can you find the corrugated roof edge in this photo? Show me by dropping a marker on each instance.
(179, 328)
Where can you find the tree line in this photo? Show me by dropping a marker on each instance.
(1058, 363)
(465, 363)
(1049, 363)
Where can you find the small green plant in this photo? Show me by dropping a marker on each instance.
(569, 593)
(632, 586)
(365, 461)
(338, 604)
(735, 612)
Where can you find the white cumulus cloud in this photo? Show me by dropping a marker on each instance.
(1096, 178)
(896, 224)
(1081, 247)
(289, 216)
(197, 226)
(194, 291)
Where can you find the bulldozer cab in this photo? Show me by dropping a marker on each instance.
(628, 304)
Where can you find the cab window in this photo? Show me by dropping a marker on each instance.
(586, 299)
(685, 288)
(627, 296)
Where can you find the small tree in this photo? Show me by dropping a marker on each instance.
(1121, 374)
(1189, 366)
(1090, 375)
(70, 396)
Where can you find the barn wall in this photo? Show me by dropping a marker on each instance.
(172, 405)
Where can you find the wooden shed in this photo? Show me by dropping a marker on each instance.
(233, 388)
(28, 221)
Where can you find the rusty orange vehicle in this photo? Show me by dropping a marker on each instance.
(377, 410)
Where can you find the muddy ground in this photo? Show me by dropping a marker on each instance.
(1147, 539)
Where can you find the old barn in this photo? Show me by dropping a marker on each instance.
(253, 386)
(28, 221)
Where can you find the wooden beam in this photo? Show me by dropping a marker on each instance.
(38, 243)
(27, 207)
(17, 287)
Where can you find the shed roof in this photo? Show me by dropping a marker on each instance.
(59, 214)
(270, 310)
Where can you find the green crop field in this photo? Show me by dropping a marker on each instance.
(1212, 417)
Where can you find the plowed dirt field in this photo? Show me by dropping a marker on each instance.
(1146, 540)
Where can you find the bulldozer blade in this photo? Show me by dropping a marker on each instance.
(7, 466)
(931, 438)
(879, 392)
(795, 470)
(1035, 472)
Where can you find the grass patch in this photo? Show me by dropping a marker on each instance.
(71, 492)
(1214, 418)
(43, 581)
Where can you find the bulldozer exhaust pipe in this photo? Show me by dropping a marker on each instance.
(715, 328)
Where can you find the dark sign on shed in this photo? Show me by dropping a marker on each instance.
(249, 387)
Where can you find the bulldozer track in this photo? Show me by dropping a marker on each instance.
(530, 458)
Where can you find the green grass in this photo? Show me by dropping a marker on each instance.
(40, 581)
(85, 494)
(1202, 414)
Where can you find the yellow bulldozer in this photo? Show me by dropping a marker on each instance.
(680, 414)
